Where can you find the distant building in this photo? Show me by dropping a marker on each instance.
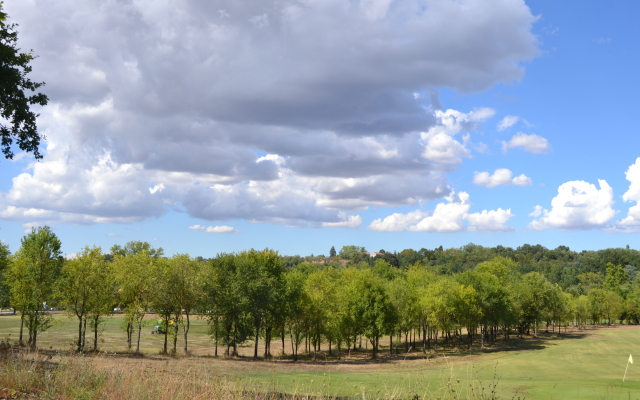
(373, 254)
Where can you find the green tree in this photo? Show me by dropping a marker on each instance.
(597, 305)
(163, 299)
(37, 264)
(17, 94)
(332, 252)
(136, 247)
(533, 293)
(225, 303)
(20, 290)
(503, 268)
(134, 279)
(492, 299)
(350, 252)
(297, 311)
(616, 280)
(85, 289)
(187, 287)
(373, 309)
(5, 288)
(348, 321)
(260, 275)
(321, 290)
(632, 305)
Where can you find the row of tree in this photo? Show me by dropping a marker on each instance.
(261, 296)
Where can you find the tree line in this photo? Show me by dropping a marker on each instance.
(418, 300)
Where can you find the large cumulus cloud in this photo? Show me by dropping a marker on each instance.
(579, 205)
(288, 111)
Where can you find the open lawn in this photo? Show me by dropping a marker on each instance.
(583, 364)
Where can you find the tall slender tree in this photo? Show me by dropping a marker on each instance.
(37, 263)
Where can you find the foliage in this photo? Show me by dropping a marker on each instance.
(85, 288)
(17, 94)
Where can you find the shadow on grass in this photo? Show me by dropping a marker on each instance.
(363, 356)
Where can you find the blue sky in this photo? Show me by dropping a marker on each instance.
(206, 127)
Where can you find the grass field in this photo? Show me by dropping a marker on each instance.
(587, 364)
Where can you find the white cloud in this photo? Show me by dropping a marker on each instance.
(113, 235)
(531, 143)
(156, 108)
(537, 211)
(633, 176)
(507, 122)
(398, 222)
(446, 218)
(157, 188)
(579, 205)
(349, 221)
(522, 180)
(482, 114)
(214, 229)
(439, 143)
(490, 220)
(631, 223)
(442, 148)
(501, 176)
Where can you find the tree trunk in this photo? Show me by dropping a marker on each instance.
(391, 344)
(235, 340)
(34, 337)
(186, 333)
(129, 335)
(424, 339)
(293, 349)
(267, 342)
(96, 320)
(175, 338)
(435, 341)
(315, 351)
(375, 350)
(21, 328)
(228, 345)
(79, 344)
(84, 332)
(255, 348)
(166, 334)
(139, 332)
(216, 337)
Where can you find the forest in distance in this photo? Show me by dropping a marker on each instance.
(459, 297)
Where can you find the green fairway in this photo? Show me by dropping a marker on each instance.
(590, 366)
(586, 364)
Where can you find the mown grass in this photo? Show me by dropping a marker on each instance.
(585, 364)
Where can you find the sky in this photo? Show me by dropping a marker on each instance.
(218, 126)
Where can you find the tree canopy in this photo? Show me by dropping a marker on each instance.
(17, 94)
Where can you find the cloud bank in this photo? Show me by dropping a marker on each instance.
(292, 112)
(447, 217)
